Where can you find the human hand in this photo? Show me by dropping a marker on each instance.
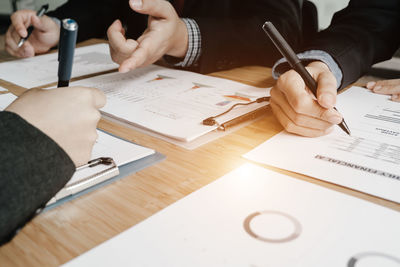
(45, 35)
(298, 110)
(166, 34)
(67, 115)
(386, 87)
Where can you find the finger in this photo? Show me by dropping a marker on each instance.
(327, 89)
(99, 98)
(371, 85)
(137, 59)
(292, 127)
(27, 50)
(44, 23)
(120, 48)
(387, 89)
(299, 119)
(154, 8)
(20, 21)
(11, 45)
(396, 98)
(303, 102)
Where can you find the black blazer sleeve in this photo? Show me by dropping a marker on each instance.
(364, 33)
(93, 16)
(232, 35)
(33, 169)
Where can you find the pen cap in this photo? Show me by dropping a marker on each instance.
(68, 35)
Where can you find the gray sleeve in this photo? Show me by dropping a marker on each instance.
(33, 169)
(309, 56)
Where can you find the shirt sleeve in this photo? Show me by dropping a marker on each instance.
(282, 65)
(194, 46)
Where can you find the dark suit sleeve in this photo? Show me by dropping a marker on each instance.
(33, 169)
(93, 16)
(234, 37)
(366, 32)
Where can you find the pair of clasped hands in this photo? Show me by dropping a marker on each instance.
(70, 115)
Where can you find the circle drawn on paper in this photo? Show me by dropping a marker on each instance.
(294, 233)
(359, 258)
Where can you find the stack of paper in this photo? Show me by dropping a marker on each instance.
(255, 217)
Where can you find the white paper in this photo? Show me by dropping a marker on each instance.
(172, 102)
(311, 226)
(121, 151)
(42, 70)
(391, 64)
(368, 161)
(6, 99)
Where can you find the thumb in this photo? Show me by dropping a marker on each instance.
(43, 24)
(155, 8)
(327, 89)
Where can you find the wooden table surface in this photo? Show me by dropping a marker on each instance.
(58, 235)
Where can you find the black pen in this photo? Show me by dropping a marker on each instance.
(66, 50)
(40, 13)
(295, 62)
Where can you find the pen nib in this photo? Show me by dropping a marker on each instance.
(344, 127)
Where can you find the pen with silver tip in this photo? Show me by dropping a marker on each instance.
(294, 62)
(40, 13)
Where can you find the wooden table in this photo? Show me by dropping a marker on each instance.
(67, 231)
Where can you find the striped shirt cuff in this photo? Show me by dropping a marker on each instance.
(317, 55)
(194, 46)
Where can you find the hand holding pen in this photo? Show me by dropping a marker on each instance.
(309, 113)
(35, 34)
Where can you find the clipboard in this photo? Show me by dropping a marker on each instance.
(111, 169)
(100, 172)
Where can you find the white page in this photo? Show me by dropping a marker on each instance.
(311, 226)
(172, 102)
(6, 99)
(42, 70)
(368, 161)
(391, 64)
(121, 151)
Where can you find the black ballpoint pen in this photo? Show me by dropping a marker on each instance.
(294, 62)
(40, 13)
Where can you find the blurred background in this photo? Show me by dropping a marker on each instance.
(326, 8)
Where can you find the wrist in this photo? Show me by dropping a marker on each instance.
(181, 42)
(319, 65)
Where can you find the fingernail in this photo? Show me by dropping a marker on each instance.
(123, 70)
(395, 97)
(327, 100)
(370, 85)
(378, 88)
(335, 119)
(136, 3)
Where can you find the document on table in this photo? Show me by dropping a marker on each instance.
(256, 217)
(42, 70)
(121, 151)
(368, 160)
(6, 99)
(173, 102)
